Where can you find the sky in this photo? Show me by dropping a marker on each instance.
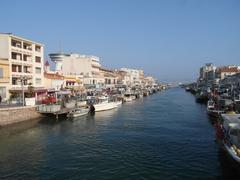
(169, 39)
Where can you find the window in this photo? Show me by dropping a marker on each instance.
(3, 92)
(19, 68)
(38, 59)
(38, 81)
(25, 69)
(38, 70)
(14, 81)
(16, 56)
(14, 68)
(27, 58)
(16, 43)
(38, 48)
(27, 46)
(1, 72)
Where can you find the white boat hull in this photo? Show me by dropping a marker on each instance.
(78, 113)
(105, 106)
(118, 103)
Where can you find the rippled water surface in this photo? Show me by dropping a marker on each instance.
(164, 136)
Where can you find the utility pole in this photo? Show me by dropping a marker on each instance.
(22, 79)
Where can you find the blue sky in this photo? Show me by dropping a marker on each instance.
(169, 39)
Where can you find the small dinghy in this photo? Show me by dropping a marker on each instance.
(78, 112)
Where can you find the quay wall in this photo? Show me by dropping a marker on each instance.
(17, 114)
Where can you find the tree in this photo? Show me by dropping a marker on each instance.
(30, 92)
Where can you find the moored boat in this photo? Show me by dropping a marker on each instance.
(104, 104)
(78, 112)
(212, 109)
(229, 135)
(128, 97)
(118, 103)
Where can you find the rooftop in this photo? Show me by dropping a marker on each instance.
(21, 38)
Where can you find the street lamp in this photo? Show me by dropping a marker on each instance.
(22, 79)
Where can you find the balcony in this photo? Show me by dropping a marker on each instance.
(27, 58)
(16, 80)
(27, 46)
(37, 48)
(16, 43)
(16, 56)
(27, 69)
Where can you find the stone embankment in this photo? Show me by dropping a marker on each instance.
(17, 114)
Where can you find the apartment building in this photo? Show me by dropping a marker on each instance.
(21, 59)
(225, 71)
(83, 67)
(109, 76)
(134, 76)
(207, 73)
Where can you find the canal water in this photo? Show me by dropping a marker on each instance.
(163, 136)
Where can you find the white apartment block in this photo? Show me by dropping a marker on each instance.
(81, 66)
(134, 76)
(25, 59)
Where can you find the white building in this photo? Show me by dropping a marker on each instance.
(25, 59)
(226, 71)
(134, 76)
(82, 66)
(207, 73)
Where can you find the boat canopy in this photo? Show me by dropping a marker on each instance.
(231, 118)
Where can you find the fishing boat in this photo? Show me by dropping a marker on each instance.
(71, 104)
(77, 112)
(187, 89)
(229, 135)
(128, 97)
(81, 103)
(202, 97)
(104, 104)
(50, 108)
(118, 103)
(212, 109)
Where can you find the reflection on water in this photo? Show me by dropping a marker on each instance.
(164, 136)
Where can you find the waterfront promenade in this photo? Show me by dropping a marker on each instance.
(164, 136)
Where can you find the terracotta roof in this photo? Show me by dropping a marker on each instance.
(228, 70)
(53, 76)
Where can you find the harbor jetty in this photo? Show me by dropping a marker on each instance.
(12, 115)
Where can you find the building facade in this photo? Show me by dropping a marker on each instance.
(83, 67)
(225, 71)
(207, 73)
(134, 75)
(109, 76)
(4, 79)
(24, 60)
